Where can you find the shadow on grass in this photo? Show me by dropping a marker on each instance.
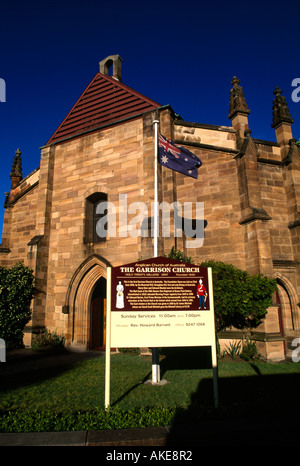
(174, 359)
(253, 410)
(125, 394)
(26, 367)
(185, 358)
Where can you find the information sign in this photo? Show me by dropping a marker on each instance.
(161, 302)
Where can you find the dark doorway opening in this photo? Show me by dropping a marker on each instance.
(98, 316)
(280, 318)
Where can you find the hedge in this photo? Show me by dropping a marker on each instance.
(16, 292)
(241, 300)
(96, 419)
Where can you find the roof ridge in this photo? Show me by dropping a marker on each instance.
(128, 88)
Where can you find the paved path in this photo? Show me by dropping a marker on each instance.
(24, 360)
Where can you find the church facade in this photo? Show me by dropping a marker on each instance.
(103, 153)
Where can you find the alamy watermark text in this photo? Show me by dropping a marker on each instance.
(2, 90)
(296, 92)
(296, 351)
(187, 218)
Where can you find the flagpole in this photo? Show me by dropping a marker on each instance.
(155, 225)
(155, 351)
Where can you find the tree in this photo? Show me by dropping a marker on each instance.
(16, 292)
(179, 256)
(241, 300)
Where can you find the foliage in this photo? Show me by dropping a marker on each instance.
(233, 349)
(45, 339)
(129, 350)
(179, 256)
(298, 143)
(97, 419)
(245, 349)
(240, 299)
(16, 292)
(249, 351)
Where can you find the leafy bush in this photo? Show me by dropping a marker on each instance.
(249, 351)
(45, 339)
(129, 350)
(233, 349)
(179, 256)
(241, 300)
(16, 292)
(246, 350)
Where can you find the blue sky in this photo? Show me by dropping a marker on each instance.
(182, 53)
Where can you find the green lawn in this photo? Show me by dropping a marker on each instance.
(244, 387)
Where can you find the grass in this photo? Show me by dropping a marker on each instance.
(81, 386)
(245, 388)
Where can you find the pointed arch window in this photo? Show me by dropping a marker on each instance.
(95, 211)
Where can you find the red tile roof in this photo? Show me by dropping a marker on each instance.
(104, 102)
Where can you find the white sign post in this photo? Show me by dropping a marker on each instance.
(2, 350)
(158, 303)
(108, 338)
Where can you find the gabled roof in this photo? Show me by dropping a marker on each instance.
(104, 102)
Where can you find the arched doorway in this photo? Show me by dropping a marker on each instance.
(287, 305)
(87, 284)
(98, 316)
(288, 310)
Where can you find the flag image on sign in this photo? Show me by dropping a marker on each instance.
(177, 158)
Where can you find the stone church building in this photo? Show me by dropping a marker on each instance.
(103, 149)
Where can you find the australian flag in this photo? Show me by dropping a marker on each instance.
(177, 158)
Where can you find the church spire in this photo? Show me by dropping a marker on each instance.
(16, 174)
(281, 113)
(282, 120)
(237, 101)
(238, 108)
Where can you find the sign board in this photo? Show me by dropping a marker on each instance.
(161, 302)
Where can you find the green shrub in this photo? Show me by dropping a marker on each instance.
(129, 350)
(249, 350)
(47, 339)
(16, 292)
(179, 256)
(233, 349)
(241, 300)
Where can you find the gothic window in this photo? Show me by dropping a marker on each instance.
(95, 215)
